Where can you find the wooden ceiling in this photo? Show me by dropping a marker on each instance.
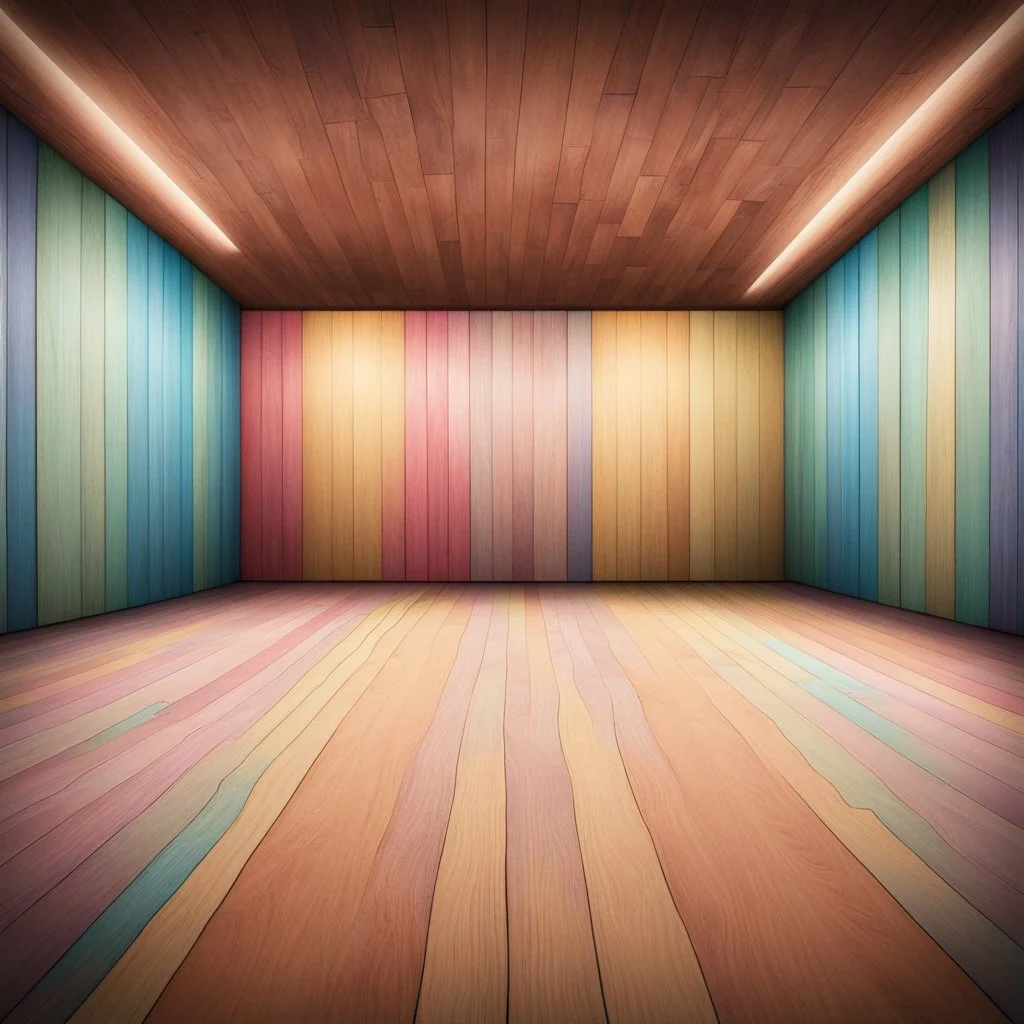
(420, 153)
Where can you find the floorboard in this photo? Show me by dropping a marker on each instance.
(553, 802)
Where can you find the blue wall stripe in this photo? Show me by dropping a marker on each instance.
(819, 427)
(868, 325)
(172, 422)
(157, 483)
(138, 411)
(20, 270)
(835, 295)
(850, 413)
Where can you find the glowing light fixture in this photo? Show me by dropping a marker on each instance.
(1002, 48)
(39, 68)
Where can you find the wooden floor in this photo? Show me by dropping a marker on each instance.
(306, 802)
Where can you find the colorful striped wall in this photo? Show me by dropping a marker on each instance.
(119, 441)
(511, 445)
(904, 432)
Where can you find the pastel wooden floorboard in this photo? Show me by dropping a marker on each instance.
(552, 965)
(465, 968)
(380, 801)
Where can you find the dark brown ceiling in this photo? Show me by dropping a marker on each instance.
(422, 153)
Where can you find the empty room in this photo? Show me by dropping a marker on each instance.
(511, 510)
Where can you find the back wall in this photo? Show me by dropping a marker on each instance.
(512, 445)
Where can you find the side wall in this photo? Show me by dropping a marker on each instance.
(904, 367)
(511, 446)
(119, 402)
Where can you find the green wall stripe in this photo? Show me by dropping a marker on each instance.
(115, 330)
(972, 383)
(59, 406)
(913, 395)
(889, 409)
(94, 595)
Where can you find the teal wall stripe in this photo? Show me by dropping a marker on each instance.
(835, 295)
(156, 488)
(850, 415)
(20, 274)
(868, 422)
(184, 584)
(913, 395)
(172, 421)
(972, 383)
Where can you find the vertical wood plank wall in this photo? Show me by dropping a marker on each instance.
(933, 340)
(119, 403)
(526, 445)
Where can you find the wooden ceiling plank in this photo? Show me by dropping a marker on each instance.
(634, 44)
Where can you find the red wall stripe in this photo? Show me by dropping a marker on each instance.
(251, 398)
(458, 446)
(416, 548)
(437, 445)
(291, 445)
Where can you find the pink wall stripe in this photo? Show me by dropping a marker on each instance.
(501, 445)
(437, 445)
(481, 462)
(251, 398)
(522, 446)
(416, 561)
(271, 479)
(458, 446)
(291, 424)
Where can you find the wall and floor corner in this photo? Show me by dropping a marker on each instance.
(512, 445)
(119, 402)
(904, 413)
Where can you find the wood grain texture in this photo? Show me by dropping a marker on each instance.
(940, 471)
(392, 442)
(523, 369)
(20, 329)
(702, 446)
(748, 445)
(550, 446)
(1004, 213)
(459, 453)
(605, 452)
(579, 427)
(677, 484)
(342, 535)
(436, 509)
(725, 450)
(771, 399)
(972, 383)
(889, 391)
(115, 414)
(367, 470)
(654, 446)
(331, 790)
(317, 442)
(271, 449)
(867, 541)
(481, 471)
(416, 525)
(502, 442)
(291, 440)
(629, 456)
(549, 156)
(252, 441)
